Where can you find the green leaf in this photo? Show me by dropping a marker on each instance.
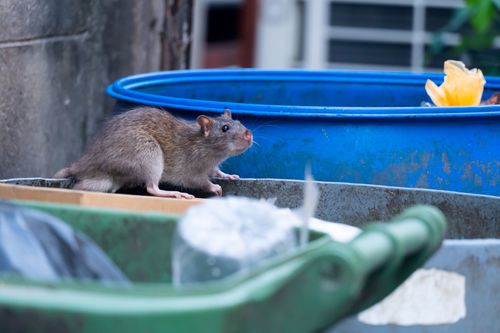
(437, 43)
(483, 16)
(458, 19)
(478, 42)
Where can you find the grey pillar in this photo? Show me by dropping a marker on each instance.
(56, 59)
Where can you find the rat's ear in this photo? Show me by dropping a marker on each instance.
(227, 114)
(205, 124)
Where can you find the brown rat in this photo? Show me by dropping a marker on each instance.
(148, 146)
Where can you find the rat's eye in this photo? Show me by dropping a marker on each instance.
(225, 128)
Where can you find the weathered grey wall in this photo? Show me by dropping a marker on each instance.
(56, 59)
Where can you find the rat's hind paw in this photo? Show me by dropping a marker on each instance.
(215, 189)
(155, 190)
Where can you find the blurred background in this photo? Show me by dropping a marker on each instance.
(58, 56)
(394, 35)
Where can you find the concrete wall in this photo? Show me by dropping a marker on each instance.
(56, 59)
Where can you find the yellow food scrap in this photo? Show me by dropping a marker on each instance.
(461, 86)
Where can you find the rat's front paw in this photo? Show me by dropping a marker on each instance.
(215, 189)
(224, 175)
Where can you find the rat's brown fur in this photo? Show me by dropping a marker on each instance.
(148, 145)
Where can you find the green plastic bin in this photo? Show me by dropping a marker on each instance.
(307, 291)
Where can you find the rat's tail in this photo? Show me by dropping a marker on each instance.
(63, 173)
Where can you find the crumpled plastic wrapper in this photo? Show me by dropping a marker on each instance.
(461, 86)
(39, 246)
(224, 236)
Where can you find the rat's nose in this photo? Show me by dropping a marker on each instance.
(248, 136)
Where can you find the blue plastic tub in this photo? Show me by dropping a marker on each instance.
(358, 127)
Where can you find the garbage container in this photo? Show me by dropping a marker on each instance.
(301, 292)
(357, 127)
(470, 251)
(471, 248)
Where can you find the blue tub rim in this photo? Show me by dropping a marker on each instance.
(122, 90)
